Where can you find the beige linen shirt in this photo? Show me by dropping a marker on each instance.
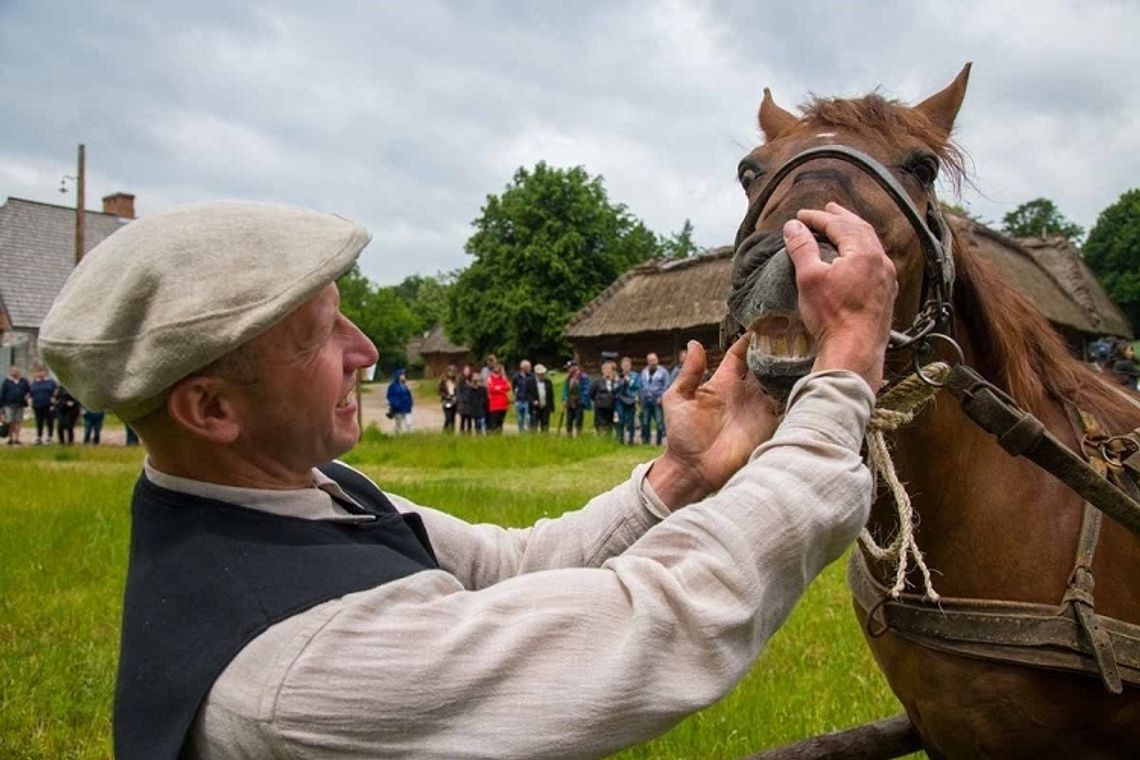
(572, 638)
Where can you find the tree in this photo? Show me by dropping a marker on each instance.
(543, 248)
(680, 245)
(381, 313)
(1113, 252)
(426, 297)
(1040, 217)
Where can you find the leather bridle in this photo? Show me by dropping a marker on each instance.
(933, 233)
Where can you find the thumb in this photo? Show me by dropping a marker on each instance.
(803, 250)
(692, 371)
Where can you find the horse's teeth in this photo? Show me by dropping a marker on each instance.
(801, 345)
(781, 345)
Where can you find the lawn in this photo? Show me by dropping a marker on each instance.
(63, 548)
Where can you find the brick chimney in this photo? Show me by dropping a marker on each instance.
(119, 204)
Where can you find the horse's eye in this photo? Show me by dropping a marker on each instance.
(924, 169)
(747, 175)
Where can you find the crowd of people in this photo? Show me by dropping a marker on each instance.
(1117, 357)
(54, 409)
(477, 399)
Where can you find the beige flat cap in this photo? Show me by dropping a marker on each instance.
(171, 292)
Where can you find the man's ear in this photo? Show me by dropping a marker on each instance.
(201, 406)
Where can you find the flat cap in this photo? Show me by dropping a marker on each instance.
(171, 292)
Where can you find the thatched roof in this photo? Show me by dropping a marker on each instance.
(660, 295)
(435, 341)
(688, 293)
(1065, 262)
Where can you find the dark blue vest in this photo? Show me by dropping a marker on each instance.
(206, 577)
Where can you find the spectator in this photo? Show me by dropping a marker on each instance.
(1124, 365)
(524, 387)
(681, 355)
(67, 414)
(449, 397)
(574, 395)
(400, 402)
(543, 400)
(466, 403)
(498, 398)
(14, 392)
(92, 426)
(42, 392)
(603, 395)
(654, 383)
(489, 368)
(629, 388)
(479, 404)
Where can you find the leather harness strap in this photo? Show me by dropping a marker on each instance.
(1035, 635)
(1021, 434)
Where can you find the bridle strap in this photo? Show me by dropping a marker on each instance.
(939, 270)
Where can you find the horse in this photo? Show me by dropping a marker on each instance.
(995, 529)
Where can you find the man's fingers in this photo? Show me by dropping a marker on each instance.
(802, 247)
(689, 378)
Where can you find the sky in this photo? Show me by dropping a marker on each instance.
(405, 116)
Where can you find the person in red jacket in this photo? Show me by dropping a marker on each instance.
(498, 398)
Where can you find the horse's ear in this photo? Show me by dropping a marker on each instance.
(774, 120)
(942, 107)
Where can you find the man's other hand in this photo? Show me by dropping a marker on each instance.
(712, 428)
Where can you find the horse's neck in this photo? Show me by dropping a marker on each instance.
(986, 521)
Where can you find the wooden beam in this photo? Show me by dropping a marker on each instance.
(881, 740)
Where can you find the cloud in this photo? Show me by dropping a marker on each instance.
(405, 116)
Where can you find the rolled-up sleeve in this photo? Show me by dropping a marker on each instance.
(572, 662)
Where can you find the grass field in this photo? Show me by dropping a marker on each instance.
(63, 549)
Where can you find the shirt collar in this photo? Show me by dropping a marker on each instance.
(314, 503)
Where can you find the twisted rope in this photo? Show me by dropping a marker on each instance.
(896, 408)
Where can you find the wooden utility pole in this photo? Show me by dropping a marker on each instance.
(80, 205)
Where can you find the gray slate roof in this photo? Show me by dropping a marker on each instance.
(37, 253)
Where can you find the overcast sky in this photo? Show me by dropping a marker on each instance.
(406, 115)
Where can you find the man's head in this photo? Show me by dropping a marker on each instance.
(14, 372)
(682, 355)
(651, 360)
(524, 367)
(626, 364)
(492, 362)
(40, 373)
(540, 371)
(607, 368)
(214, 329)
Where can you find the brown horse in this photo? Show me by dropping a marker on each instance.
(992, 527)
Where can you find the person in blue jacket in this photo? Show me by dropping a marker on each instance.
(42, 392)
(400, 402)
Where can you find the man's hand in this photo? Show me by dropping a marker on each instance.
(712, 428)
(846, 304)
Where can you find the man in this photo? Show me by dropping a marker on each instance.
(654, 383)
(681, 356)
(279, 604)
(42, 392)
(603, 395)
(629, 389)
(524, 389)
(14, 392)
(543, 399)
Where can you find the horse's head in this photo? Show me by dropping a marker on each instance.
(910, 145)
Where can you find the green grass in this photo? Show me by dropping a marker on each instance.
(63, 546)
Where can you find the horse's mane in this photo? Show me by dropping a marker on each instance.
(877, 118)
(1016, 347)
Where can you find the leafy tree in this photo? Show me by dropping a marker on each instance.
(1040, 216)
(543, 248)
(381, 313)
(1113, 252)
(426, 297)
(680, 245)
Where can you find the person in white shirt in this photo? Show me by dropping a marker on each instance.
(278, 604)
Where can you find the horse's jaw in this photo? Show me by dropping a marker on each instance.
(764, 303)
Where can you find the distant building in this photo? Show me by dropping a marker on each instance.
(436, 351)
(37, 253)
(660, 305)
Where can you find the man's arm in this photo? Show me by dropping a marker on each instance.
(566, 662)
